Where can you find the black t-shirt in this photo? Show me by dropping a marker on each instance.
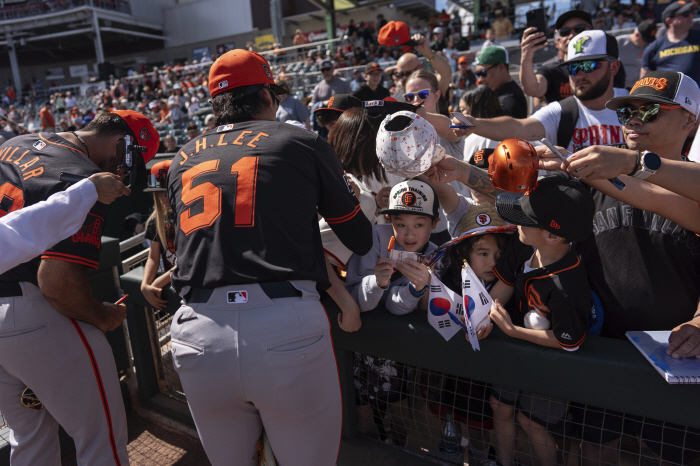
(644, 268)
(29, 169)
(246, 199)
(558, 87)
(167, 253)
(512, 99)
(558, 292)
(364, 93)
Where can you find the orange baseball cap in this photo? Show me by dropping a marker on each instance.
(238, 68)
(395, 33)
(462, 59)
(158, 179)
(144, 132)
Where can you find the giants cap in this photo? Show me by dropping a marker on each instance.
(158, 179)
(395, 33)
(562, 206)
(647, 29)
(144, 132)
(238, 68)
(591, 45)
(413, 197)
(663, 87)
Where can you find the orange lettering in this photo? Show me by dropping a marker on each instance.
(24, 166)
(201, 143)
(240, 137)
(35, 172)
(20, 157)
(184, 157)
(9, 157)
(256, 139)
(221, 140)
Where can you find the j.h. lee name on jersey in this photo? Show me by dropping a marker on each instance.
(26, 165)
(224, 139)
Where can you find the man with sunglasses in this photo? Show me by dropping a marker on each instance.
(592, 65)
(643, 261)
(49, 312)
(679, 48)
(551, 81)
(324, 90)
(492, 71)
(246, 199)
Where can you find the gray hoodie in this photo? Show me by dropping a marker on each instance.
(362, 284)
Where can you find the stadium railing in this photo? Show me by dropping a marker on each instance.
(604, 373)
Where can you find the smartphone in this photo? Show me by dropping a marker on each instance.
(537, 19)
(464, 121)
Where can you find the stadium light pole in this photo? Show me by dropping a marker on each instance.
(330, 23)
(13, 60)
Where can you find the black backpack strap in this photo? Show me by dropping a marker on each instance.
(567, 124)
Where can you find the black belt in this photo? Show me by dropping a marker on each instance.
(273, 290)
(8, 290)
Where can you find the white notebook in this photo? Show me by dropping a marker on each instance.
(653, 346)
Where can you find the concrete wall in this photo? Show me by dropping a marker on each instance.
(206, 20)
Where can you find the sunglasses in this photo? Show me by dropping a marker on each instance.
(422, 95)
(578, 29)
(688, 14)
(587, 66)
(646, 113)
(325, 70)
(404, 74)
(484, 72)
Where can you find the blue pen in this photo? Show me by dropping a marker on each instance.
(460, 126)
(457, 321)
(615, 181)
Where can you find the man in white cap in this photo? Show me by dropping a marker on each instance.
(581, 120)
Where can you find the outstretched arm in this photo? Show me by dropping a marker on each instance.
(451, 169)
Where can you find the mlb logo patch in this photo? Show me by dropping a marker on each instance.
(221, 128)
(223, 84)
(237, 297)
(266, 69)
(39, 145)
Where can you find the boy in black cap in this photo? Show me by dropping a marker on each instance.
(552, 298)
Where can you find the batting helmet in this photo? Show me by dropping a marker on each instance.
(513, 166)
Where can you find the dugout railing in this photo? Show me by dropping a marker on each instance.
(604, 373)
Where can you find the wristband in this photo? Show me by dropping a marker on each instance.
(431, 59)
(636, 165)
(415, 293)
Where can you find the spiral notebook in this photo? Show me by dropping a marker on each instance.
(653, 346)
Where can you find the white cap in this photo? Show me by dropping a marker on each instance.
(411, 150)
(413, 197)
(438, 30)
(591, 45)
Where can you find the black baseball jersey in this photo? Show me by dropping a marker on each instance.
(167, 251)
(29, 169)
(246, 199)
(559, 292)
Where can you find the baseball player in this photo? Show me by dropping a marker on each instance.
(252, 342)
(51, 326)
(28, 232)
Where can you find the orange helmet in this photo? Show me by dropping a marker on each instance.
(513, 166)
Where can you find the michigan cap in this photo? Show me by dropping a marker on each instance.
(238, 68)
(591, 45)
(144, 132)
(663, 87)
(395, 33)
(158, 179)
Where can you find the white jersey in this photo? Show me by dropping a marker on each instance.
(32, 230)
(593, 127)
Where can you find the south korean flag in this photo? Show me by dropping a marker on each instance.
(477, 302)
(444, 308)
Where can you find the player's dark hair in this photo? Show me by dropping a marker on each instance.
(235, 106)
(452, 277)
(355, 141)
(482, 102)
(108, 124)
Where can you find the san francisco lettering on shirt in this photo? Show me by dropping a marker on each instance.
(11, 154)
(627, 216)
